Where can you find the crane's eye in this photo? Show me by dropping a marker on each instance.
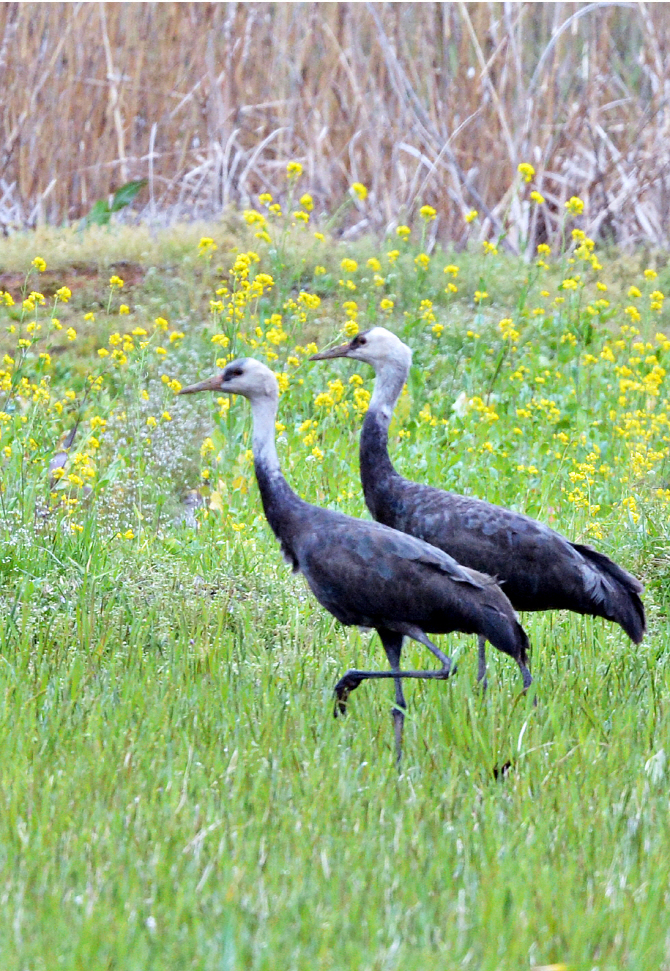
(358, 341)
(235, 373)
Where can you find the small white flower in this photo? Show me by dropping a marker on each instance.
(460, 405)
(655, 766)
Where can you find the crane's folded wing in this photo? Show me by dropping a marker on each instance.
(379, 546)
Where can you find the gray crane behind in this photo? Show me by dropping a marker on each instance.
(537, 567)
(366, 573)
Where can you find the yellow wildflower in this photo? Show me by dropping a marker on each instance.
(361, 399)
(427, 213)
(526, 171)
(311, 300)
(471, 216)
(359, 189)
(575, 206)
(294, 170)
(39, 264)
(206, 246)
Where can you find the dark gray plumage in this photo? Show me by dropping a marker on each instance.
(538, 568)
(364, 572)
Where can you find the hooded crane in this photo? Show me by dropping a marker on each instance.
(538, 568)
(365, 573)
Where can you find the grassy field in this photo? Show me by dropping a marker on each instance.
(174, 791)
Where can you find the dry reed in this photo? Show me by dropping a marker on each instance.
(424, 103)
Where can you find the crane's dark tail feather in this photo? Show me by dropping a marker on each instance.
(621, 604)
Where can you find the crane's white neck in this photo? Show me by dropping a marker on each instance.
(264, 413)
(389, 382)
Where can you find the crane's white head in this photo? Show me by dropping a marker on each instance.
(377, 346)
(244, 376)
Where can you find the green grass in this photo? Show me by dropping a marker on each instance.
(174, 790)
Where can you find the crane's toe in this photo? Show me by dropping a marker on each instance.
(348, 683)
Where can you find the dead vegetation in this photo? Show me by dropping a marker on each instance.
(423, 103)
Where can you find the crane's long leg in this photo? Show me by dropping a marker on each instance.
(418, 635)
(481, 663)
(351, 680)
(393, 646)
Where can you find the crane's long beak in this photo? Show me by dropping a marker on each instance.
(340, 351)
(209, 384)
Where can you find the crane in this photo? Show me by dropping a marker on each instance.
(366, 573)
(537, 567)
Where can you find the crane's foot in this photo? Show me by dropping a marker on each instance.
(348, 683)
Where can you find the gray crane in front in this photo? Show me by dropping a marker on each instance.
(366, 573)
